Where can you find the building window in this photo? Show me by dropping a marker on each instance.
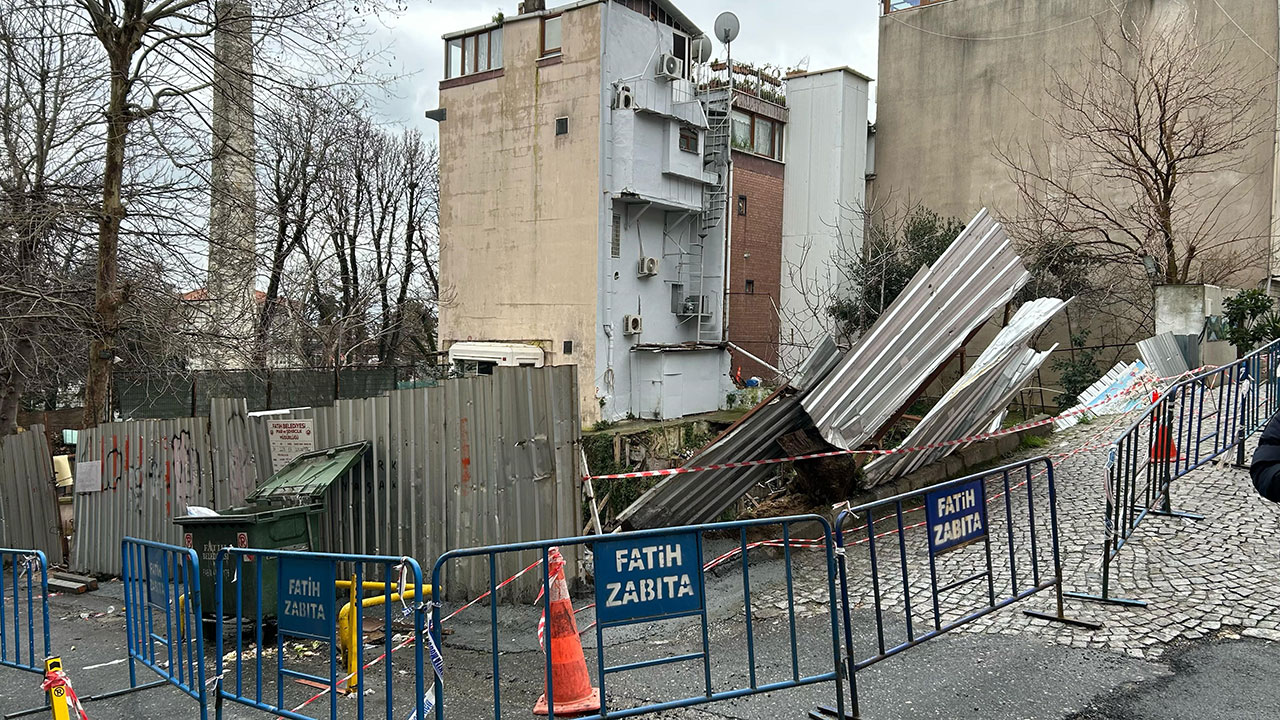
(892, 5)
(688, 140)
(562, 126)
(762, 136)
(551, 35)
(568, 347)
(615, 242)
(742, 204)
(654, 10)
(741, 130)
(757, 134)
(680, 48)
(677, 298)
(470, 54)
(751, 287)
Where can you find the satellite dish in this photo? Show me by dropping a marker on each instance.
(702, 48)
(727, 27)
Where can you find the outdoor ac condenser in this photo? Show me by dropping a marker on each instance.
(670, 67)
(648, 267)
(624, 98)
(632, 324)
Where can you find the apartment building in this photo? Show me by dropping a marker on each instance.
(602, 202)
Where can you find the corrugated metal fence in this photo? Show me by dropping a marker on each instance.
(28, 501)
(475, 461)
(148, 472)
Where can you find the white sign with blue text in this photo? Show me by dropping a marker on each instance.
(957, 515)
(307, 600)
(648, 578)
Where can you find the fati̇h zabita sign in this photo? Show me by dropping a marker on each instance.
(957, 515)
(648, 578)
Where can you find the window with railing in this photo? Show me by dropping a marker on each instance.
(475, 53)
(895, 5)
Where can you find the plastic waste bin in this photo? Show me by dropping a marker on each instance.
(285, 513)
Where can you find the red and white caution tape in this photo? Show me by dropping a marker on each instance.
(893, 451)
(59, 687)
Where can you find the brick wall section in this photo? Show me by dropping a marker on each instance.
(753, 318)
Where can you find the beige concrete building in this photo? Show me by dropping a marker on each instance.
(961, 79)
(582, 200)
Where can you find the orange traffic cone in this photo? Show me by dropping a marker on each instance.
(1163, 447)
(571, 684)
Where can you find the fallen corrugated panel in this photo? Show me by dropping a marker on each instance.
(702, 496)
(978, 398)
(28, 502)
(1116, 384)
(933, 316)
(821, 361)
(1162, 354)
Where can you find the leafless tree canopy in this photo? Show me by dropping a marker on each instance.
(1141, 181)
(105, 126)
(351, 245)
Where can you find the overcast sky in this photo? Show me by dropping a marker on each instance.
(825, 33)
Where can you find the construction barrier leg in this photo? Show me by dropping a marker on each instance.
(62, 699)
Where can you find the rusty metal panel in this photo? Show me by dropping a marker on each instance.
(28, 499)
(235, 469)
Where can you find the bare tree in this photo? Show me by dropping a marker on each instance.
(161, 63)
(47, 119)
(352, 212)
(1140, 182)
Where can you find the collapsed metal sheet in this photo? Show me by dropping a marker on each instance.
(978, 398)
(1115, 388)
(1162, 354)
(702, 496)
(933, 316)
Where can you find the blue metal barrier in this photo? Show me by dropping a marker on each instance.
(24, 609)
(162, 618)
(1194, 422)
(306, 609)
(959, 520)
(650, 576)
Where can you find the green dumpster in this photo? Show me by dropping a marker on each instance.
(285, 513)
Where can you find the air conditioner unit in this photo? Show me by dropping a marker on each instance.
(648, 267)
(623, 98)
(670, 67)
(696, 305)
(632, 324)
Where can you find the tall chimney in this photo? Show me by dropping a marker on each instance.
(232, 242)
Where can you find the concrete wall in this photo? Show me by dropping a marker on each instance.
(1183, 310)
(755, 255)
(826, 151)
(656, 190)
(960, 80)
(519, 206)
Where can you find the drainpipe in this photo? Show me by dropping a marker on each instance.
(728, 216)
(609, 377)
